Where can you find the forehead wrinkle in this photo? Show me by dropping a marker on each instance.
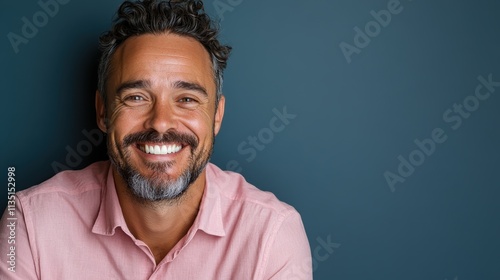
(149, 56)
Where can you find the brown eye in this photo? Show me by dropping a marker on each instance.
(187, 100)
(134, 98)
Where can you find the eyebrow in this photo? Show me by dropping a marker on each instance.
(143, 84)
(138, 84)
(190, 86)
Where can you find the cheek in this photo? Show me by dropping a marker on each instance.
(115, 114)
(200, 123)
(125, 116)
(121, 123)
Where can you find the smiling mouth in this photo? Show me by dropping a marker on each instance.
(160, 149)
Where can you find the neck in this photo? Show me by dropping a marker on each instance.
(160, 224)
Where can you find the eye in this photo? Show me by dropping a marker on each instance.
(134, 98)
(187, 100)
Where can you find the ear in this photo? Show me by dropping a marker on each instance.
(100, 109)
(219, 114)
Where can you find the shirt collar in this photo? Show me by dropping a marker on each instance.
(110, 214)
(209, 217)
(209, 220)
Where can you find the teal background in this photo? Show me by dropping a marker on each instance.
(352, 122)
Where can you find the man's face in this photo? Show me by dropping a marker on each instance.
(161, 113)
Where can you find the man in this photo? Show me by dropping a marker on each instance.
(157, 209)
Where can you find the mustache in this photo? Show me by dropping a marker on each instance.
(154, 136)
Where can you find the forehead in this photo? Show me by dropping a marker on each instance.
(161, 58)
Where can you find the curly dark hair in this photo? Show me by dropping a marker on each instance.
(185, 18)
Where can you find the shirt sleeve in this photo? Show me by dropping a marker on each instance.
(16, 257)
(289, 252)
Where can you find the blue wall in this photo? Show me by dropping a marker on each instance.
(389, 143)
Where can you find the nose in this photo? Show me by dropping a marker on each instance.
(162, 117)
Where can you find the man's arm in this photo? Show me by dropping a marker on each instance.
(16, 257)
(289, 253)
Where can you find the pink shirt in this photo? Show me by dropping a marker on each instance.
(72, 227)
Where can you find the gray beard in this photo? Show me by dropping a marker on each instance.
(152, 190)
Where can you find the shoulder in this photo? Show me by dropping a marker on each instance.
(238, 193)
(70, 183)
(257, 217)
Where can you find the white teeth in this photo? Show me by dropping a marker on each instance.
(161, 150)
